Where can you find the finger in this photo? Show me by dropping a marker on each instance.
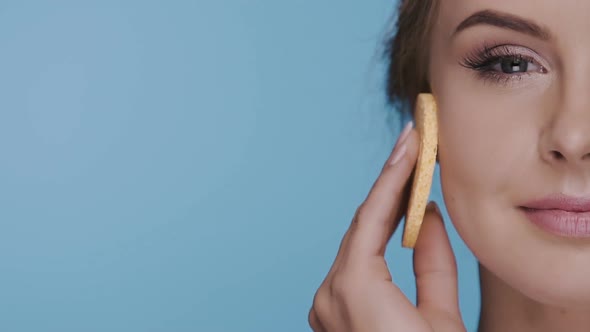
(435, 269)
(342, 249)
(344, 244)
(314, 322)
(380, 213)
(340, 255)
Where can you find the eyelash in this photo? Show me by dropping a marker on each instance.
(483, 61)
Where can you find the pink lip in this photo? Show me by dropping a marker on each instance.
(561, 215)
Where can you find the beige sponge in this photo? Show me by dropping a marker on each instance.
(425, 116)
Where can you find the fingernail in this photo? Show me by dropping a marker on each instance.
(399, 154)
(400, 147)
(406, 131)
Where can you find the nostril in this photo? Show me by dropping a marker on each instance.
(557, 155)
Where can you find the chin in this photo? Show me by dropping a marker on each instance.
(545, 271)
(544, 267)
(551, 283)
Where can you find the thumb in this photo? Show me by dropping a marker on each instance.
(436, 272)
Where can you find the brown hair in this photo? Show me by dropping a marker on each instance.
(407, 53)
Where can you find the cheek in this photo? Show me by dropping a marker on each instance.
(488, 154)
(488, 136)
(488, 141)
(481, 145)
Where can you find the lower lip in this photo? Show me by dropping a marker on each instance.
(560, 222)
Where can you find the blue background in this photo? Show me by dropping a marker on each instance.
(188, 165)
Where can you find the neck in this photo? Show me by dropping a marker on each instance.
(505, 309)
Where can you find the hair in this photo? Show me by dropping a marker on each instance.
(407, 53)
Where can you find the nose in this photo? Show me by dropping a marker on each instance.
(566, 138)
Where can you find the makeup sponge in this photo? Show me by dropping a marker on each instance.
(425, 116)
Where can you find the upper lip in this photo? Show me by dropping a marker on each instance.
(560, 202)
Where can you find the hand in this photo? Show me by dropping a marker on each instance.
(358, 293)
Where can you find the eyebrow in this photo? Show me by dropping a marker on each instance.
(505, 21)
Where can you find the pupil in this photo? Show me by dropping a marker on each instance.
(511, 65)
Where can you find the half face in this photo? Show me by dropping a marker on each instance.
(512, 82)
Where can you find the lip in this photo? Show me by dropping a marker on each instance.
(559, 214)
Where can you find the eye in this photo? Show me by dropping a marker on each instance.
(514, 65)
(503, 63)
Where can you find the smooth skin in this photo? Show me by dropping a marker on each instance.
(504, 140)
(358, 293)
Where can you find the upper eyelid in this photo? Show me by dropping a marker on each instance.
(526, 52)
(505, 50)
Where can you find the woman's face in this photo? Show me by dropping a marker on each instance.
(513, 88)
